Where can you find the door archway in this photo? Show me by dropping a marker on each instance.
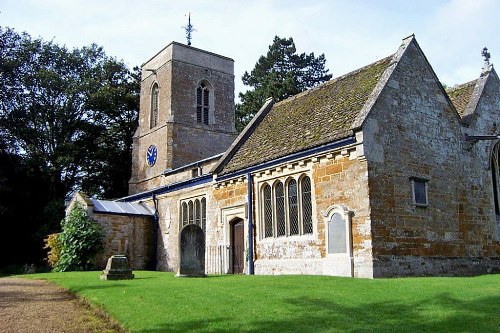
(237, 247)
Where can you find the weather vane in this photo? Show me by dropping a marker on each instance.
(189, 29)
(486, 55)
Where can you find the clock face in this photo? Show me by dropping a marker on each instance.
(151, 155)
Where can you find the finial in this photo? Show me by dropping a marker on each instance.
(486, 55)
(189, 29)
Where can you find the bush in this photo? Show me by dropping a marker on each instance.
(81, 239)
(53, 243)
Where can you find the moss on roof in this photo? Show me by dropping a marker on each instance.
(315, 117)
(461, 95)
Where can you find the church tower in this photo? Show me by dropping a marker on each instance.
(186, 112)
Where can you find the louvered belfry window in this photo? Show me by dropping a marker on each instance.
(202, 103)
(287, 210)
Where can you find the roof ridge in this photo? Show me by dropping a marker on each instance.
(334, 80)
(461, 85)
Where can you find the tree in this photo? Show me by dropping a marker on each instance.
(68, 117)
(280, 74)
(80, 240)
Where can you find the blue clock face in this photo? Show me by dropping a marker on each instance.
(151, 155)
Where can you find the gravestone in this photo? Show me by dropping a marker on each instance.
(117, 269)
(192, 251)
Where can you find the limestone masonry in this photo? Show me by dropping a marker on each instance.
(378, 173)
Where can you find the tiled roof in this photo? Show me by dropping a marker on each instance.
(461, 95)
(318, 116)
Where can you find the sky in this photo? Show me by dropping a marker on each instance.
(351, 34)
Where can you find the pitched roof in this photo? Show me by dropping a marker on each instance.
(315, 117)
(461, 95)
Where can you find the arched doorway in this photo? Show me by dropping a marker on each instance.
(237, 246)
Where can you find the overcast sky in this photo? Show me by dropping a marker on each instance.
(351, 34)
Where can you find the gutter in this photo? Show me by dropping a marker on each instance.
(169, 188)
(288, 158)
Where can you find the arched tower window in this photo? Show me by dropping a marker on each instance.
(203, 103)
(154, 106)
(495, 176)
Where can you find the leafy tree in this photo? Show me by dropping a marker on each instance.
(80, 240)
(67, 118)
(280, 74)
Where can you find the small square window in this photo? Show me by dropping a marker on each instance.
(419, 192)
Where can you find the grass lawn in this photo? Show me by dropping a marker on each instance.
(160, 302)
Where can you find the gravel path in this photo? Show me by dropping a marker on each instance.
(39, 306)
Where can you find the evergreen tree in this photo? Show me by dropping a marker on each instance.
(280, 74)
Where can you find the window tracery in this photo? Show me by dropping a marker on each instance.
(287, 207)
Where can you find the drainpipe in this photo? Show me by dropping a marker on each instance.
(250, 224)
(156, 218)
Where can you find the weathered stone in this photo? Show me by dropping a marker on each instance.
(117, 269)
(192, 251)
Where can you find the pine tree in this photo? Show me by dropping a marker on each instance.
(280, 74)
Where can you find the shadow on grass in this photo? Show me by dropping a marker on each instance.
(440, 314)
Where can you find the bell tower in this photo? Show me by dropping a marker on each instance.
(186, 112)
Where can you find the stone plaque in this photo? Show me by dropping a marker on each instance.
(192, 251)
(117, 269)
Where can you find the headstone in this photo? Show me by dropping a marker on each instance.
(192, 251)
(117, 269)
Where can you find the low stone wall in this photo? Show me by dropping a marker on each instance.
(400, 266)
(289, 266)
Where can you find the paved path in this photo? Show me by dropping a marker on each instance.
(39, 306)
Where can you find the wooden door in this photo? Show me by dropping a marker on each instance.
(238, 246)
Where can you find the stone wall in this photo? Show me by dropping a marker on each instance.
(128, 235)
(178, 137)
(339, 179)
(413, 132)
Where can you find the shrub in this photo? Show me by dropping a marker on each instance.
(81, 239)
(53, 243)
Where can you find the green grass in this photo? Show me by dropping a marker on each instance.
(160, 302)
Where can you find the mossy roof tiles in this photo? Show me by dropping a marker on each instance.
(315, 117)
(461, 95)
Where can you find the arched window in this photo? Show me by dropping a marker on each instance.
(184, 214)
(305, 188)
(287, 207)
(194, 211)
(202, 103)
(154, 105)
(293, 207)
(191, 215)
(197, 213)
(268, 211)
(495, 176)
(280, 209)
(203, 213)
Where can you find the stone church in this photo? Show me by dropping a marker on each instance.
(381, 172)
